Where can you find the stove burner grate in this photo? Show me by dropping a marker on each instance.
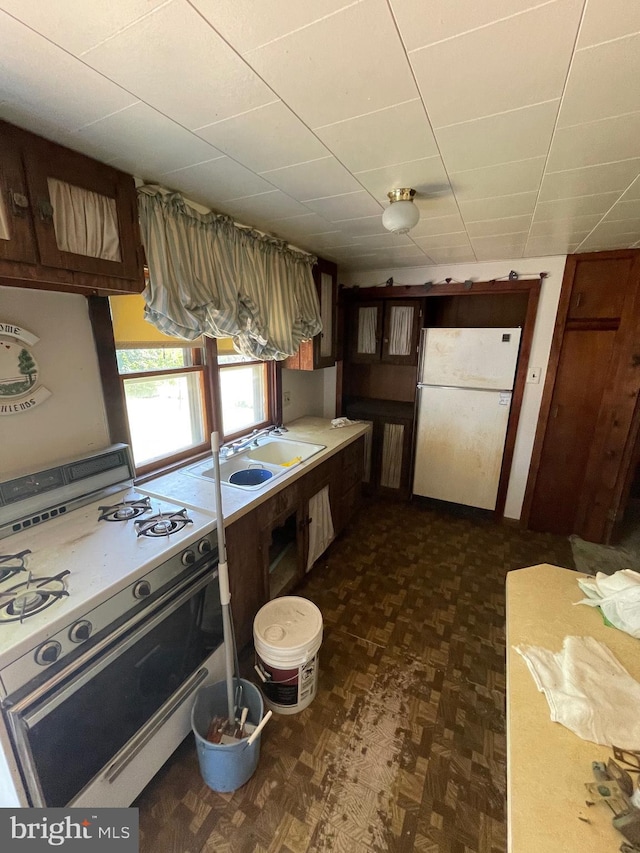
(34, 596)
(12, 564)
(125, 510)
(163, 524)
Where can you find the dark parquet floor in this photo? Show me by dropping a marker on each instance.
(403, 748)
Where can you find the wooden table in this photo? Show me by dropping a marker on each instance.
(547, 764)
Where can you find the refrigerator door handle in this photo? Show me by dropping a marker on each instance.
(466, 388)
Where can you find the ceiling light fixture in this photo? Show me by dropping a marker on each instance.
(402, 214)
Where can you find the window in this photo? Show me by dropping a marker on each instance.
(165, 400)
(175, 393)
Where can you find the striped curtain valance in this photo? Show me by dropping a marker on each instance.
(209, 276)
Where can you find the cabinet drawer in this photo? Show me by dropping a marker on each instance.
(284, 502)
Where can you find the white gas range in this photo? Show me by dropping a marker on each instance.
(109, 622)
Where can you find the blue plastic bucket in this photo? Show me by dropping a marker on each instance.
(225, 767)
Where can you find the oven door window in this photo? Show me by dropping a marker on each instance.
(71, 741)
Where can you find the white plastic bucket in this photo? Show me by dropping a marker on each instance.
(287, 635)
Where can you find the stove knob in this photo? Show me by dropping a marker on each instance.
(142, 589)
(80, 631)
(204, 546)
(48, 653)
(188, 558)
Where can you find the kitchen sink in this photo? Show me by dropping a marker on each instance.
(283, 451)
(254, 468)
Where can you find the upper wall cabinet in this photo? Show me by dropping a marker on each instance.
(321, 351)
(385, 330)
(67, 222)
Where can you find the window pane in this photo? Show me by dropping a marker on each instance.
(141, 360)
(165, 415)
(243, 396)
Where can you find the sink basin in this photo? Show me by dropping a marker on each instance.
(239, 472)
(256, 467)
(283, 451)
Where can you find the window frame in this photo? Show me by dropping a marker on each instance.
(204, 360)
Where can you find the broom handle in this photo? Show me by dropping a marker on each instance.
(223, 580)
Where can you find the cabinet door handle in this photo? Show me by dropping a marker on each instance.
(579, 300)
(19, 202)
(45, 209)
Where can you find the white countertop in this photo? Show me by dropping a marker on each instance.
(547, 764)
(198, 493)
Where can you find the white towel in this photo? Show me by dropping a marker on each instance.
(588, 691)
(321, 532)
(618, 596)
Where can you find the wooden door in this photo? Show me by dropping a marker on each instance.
(365, 333)
(402, 323)
(583, 370)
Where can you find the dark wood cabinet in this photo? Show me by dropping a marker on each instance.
(267, 549)
(67, 222)
(387, 457)
(384, 331)
(321, 351)
(589, 415)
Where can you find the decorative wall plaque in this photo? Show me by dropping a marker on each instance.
(19, 388)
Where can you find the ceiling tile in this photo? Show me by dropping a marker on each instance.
(478, 73)
(445, 19)
(518, 135)
(174, 33)
(599, 82)
(247, 24)
(314, 180)
(30, 118)
(608, 19)
(146, 137)
(625, 209)
(264, 207)
(219, 179)
(568, 208)
(549, 246)
(348, 206)
(265, 138)
(343, 66)
(424, 176)
(383, 241)
(66, 93)
(633, 191)
(305, 225)
(515, 239)
(576, 228)
(363, 226)
(501, 180)
(452, 255)
(616, 228)
(395, 135)
(457, 240)
(495, 208)
(438, 225)
(498, 227)
(590, 180)
(67, 23)
(436, 204)
(498, 250)
(604, 141)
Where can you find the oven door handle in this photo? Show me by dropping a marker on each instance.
(30, 718)
(137, 743)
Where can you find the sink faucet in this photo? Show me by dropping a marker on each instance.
(228, 450)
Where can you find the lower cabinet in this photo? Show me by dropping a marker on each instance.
(268, 549)
(387, 464)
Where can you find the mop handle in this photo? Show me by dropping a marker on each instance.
(222, 545)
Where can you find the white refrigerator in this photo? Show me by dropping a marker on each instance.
(465, 384)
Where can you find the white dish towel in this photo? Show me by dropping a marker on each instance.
(588, 691)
